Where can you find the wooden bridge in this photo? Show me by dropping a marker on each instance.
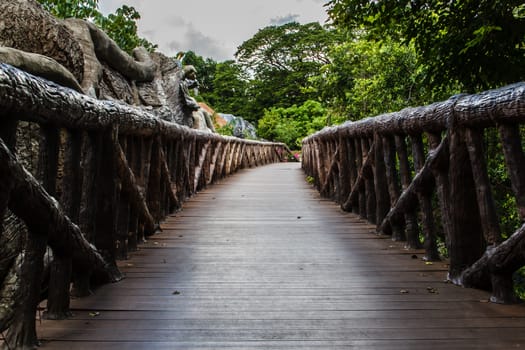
(259, 259)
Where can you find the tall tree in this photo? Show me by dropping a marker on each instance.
(230, 87)
(480, 43)
(281, 59)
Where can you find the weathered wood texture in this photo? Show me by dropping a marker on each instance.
(445, 178)
(260, 261)
(118, 172)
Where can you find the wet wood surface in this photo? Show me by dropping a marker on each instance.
(260, 261)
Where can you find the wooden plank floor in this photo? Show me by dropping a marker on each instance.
(259, 261)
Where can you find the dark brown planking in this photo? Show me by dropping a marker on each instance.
(259, 261)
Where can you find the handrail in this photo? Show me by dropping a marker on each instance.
(366, 166)
(116, 171)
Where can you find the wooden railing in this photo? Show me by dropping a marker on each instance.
(425, 169)
(116, 171)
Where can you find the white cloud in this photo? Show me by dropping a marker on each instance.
(213, 28)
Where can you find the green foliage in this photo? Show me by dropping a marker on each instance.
(479, 43)
(230, 87)
(226, 130)
(500, 183)
(290, 125)
(205, 67)
(72, 8)
(120, 26)
(280, 61)
(368, 78)
(310, 180)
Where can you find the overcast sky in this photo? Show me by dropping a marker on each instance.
(213, 28)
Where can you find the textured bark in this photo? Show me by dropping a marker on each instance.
(22, 333)
(466, 238)
(108, 51)
(410, 216)
(486, 206)
(440, 171)
(27, 27)
(358, 186)
(515, 160)
(381, 182)
(424, 194)
(34, 205)
(107, 204)
(132, 190)
(199, 168)
(408, 200)
(389, 154)
(39, 65)
(153, 189)
(494, 270)
(173, 202)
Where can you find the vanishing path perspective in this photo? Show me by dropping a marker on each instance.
(260, 261)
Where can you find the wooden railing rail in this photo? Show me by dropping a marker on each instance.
(426, 168)
(116, 171)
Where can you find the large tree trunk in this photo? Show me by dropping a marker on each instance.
(27, 27)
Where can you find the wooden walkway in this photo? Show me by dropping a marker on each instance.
(259, 261)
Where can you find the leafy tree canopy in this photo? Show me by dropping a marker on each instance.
(280, 60)
(480, 43)
(290, 125)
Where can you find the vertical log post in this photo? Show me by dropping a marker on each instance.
(61, 268)
(380, 181)
(154, 183)
(440, 172)
(486, 207)
(412, 231)
(389, 153)
(22, 334)
(466, 238)
(123, 221)
(361, 202)
(133, 154)
(425, 203)
(368, 175)
(515, 161)
(345, 171)
(107, 204)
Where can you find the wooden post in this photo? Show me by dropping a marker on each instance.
(486, 207)
(61, 268)
(380, 181)
(466, 238)
(412, 231)
(515, 160)
(123, 221)
(154, 185)
(389, 154)
(361, 205)
(107, 204)
(368, 175)
(425, 202)
(22, 333)
(345, 170)
(442, 183)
